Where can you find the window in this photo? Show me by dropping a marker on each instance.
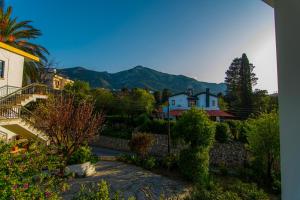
(2, 65)
(191, 103)
(213, 103)
(173, 103)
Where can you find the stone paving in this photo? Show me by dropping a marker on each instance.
(132, 181)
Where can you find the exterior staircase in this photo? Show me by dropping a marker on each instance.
(15, 119)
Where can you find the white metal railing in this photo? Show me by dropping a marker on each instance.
(7, 89)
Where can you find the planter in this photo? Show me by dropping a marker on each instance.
(81, 170)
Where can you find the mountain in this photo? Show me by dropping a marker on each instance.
(140, 77)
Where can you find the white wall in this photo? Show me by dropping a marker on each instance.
(287, 21)
(181, 102)
(202, 102)
(13, 70)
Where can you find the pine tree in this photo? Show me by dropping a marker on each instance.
(240, 79)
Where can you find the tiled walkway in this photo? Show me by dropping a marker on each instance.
(132, 181)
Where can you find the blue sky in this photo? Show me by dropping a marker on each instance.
(197, 38)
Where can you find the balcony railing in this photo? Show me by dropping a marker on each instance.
(7, 89)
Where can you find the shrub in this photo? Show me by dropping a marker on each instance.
(81, 155)
(248, 191)
(99, 192)
(149, 163)
(170, 162)
(195, 128)
(263, 137)
(156, 126)
(22, 175)
(141, 144)
(234, 191)
(194, 163)
(222, 132)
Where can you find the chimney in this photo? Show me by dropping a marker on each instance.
(207, 97)
(190, 91)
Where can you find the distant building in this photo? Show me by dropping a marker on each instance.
(181, 102)
(54, 80)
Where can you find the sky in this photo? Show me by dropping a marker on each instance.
(196, 38)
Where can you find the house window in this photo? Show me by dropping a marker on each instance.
(2, 65)
(192, 103)
(173, 103)
(213, 103)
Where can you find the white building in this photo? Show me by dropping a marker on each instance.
(15, 120)
(178, 103)
(11, 68)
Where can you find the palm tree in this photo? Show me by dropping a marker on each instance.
(18, 34)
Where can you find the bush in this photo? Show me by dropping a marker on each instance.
(263, 137)
(22, 174)
(149, 163)
(248, 191)
(195, 128)
(170, 162)
(235, 191)
(99, 192)
(121, 132)
(222, 132)
(141, 144)
(156, 126)
(193, 164)
(81, 155)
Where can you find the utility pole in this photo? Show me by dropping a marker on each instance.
(169, 130)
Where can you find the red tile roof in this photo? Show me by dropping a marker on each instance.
(211, 113)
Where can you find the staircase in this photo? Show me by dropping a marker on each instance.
(15, 119)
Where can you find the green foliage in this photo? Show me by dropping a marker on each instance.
(263, 102)
(195, 128)
(240, 79)
(101, 191)
(149, 162)
(141, 144)
(222, 132)
(234, 191)
(248, 191)
(263, 137)
(194, 163)
(104, 100)
(157, 126)
(170, 162)
(23, 175)
(79, 89)
(81, 155)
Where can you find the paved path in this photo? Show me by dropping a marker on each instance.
(132, 181)
(99, 151)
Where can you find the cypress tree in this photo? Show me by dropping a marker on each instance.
(240, 79)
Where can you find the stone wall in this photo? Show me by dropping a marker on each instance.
(232, 154)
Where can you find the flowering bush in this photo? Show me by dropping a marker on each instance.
(28, 175)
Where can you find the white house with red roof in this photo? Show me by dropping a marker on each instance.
(181, 102)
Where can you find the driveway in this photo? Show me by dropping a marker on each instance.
(132, 181)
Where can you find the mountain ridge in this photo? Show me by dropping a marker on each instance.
(142, 77)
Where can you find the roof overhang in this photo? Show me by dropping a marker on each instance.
(269, 2)
(19, 52)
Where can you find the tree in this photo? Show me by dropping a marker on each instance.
(196, 129)
(79, 89)
(263, 102)
(18, 34)
(240, 79)
(68, 125)
(263, 137)
(104, 100)
(157, 97)
(165, 95)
